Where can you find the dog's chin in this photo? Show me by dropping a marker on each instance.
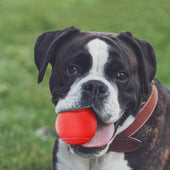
(91, 152)
(85, 152)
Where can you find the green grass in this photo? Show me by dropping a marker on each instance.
(26, 106)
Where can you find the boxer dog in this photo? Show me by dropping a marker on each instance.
(113, 75)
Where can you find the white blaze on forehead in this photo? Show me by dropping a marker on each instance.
(99, 52)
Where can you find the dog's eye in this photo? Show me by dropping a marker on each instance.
(121, 76)
(72, 70)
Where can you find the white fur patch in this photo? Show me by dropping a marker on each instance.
(126, 124)
(69, 161)
(110, 161)
(99, 52)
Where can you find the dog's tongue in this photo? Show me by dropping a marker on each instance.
(102, 136)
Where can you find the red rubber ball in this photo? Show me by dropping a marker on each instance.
(76, 127)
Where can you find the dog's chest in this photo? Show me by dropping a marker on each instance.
(69, 161)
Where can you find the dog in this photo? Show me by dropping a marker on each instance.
(113, 75)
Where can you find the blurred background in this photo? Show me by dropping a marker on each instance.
(26, 106)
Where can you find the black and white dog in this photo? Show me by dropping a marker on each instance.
(111, 74)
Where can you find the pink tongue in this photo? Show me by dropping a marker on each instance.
(102, 136)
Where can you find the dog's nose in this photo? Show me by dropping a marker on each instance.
(95, 87)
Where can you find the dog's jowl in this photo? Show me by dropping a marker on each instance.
(113, 75)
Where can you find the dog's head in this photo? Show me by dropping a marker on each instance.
(108, 73)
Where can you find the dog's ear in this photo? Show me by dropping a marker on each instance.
(47, 45)
(146, 58)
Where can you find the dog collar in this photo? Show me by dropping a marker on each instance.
(124, 142)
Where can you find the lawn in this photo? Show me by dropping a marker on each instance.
(26, 106)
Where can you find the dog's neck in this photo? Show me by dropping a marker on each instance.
(124, 142)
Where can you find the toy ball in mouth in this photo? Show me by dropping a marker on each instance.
(76, 127)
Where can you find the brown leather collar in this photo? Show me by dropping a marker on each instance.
(124, 142)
